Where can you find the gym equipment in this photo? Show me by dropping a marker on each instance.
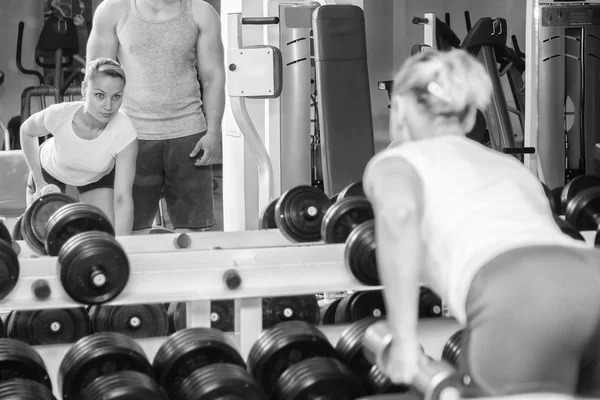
(318, 377)
(93, 267)
(267, 217)
(24, 389)
(4, 233)
(430, 304)
(221, 316)
(188, 350)
(575, 186)
(353, 189)
(433, 376)
(360, 305)
(212, 381)
(48, 326)
(282, 346)
(123, 385)
(343, 216)
(20, 360)
(583, 212)
(328, 312)
(72, 219)
(36, 217)
(299, 213)
(16, 233)
(378, 383)
(556, 195)
(97, 355)
(137, 321)
(346, 127)
(290, 308)
(9, 269)
(563, 108)
(361, 253)
(568, 229)
(350, 347)
(452, 348)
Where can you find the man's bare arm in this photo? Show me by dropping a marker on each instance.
(103, 41)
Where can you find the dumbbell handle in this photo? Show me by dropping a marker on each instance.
(376, 345)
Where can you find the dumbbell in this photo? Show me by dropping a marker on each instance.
(452, 348)
(358, 305)
(355, 189)
(20, 364)
(433, 378)
(9, 263)
(297, 214)
(116, 359)
(583, 211)
(48, 326)
(201, 363)
(295, 360)
(430, 304)
(138, 321)
(290, 308)
(24, 389)
(221, 316)
(575, 186)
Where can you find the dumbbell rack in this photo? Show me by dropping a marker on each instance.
(267, 263)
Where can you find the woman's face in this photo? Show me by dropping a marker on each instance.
(104, 95)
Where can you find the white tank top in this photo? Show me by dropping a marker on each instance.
(478, 204)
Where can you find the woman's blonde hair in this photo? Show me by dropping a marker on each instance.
(102, 66)
(445, 83)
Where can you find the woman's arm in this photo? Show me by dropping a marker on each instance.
(30, 131)
(124, 176)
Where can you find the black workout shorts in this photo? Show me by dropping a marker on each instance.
(107, 181)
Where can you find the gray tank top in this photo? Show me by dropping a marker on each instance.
(162, 96)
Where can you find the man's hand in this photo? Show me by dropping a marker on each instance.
(401, 363)
(210, 145)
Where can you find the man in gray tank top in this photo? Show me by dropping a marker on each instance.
(172, 53)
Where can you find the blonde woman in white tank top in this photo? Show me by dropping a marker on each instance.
(475, 226)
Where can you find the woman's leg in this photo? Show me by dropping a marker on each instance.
(103, 198)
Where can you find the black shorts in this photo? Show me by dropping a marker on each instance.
(533, 324)
(165, 168)
(107, 181)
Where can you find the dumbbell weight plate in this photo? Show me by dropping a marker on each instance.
(328, 312)
(5, 234)
(319, 377)
(430, 305)
(123, 385)
(350, 346)
(290, 308)
(222, 314)
(9, 269)
(575, 186)
(138, 321)
(190, 349)
(299, 213)
(93, 267)
(24, 389)
(360, 253)
(20, 360)
(72, 219)
(16, 233)
(378, 383)
(221, 381)
(283, 345)
(353, 189)
(556, 195)
(343, 216)
(568, 229)
(361, 305)
(36, 217)
(49, 326)
(97, 355)
(342, 311)
(267, 217)
(582, 207)
(452, 348)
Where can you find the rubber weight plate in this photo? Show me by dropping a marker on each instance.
(299, 213)
(350, 346)
(342, 311)
(187, 350)
(290, 308)
(138, 321)
(49, 326)
(20, 360)
(430, 304)
(72, 219)
(282, 346)
(16, 233)
(568, 229)
(378, 383)
(361, 305)
(360, 254)
(583, 211)
(343, 216)
(267, 217)
(4, 233)
(222, 314)
(328, 312)
(24, 389)
(97, 355)
(452, 347)
(556, 194)
(93, 267)
(124, 385)
(36, 217)
(221, 381)
(353, 189)
(322, 378)
(9, 269)
(575, 186)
